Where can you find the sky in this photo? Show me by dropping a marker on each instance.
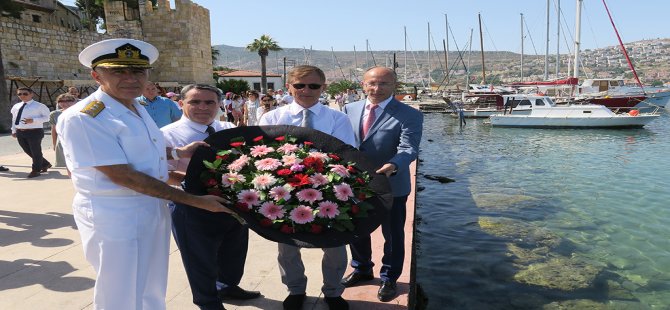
(346, 24)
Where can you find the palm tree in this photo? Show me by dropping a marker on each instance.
(263, 46)
(215, 55)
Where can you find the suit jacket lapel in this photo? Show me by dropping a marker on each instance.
(357, 110)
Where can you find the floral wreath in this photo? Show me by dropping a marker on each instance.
(292, 185)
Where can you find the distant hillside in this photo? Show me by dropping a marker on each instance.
(500, 66)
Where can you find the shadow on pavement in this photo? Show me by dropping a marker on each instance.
(33, 228)
(50, 275)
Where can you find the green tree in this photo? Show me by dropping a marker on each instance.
(215, 55)
(340, 86)
(656, 83)
(263, 46)
(233, 85)
(7, 9)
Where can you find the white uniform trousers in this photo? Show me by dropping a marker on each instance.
(333, 266)
(127, 240)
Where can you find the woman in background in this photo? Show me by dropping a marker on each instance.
(63, 101)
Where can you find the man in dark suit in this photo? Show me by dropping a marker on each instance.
(389, 133)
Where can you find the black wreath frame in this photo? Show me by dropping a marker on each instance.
(379, 184)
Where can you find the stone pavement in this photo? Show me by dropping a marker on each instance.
(42, 265)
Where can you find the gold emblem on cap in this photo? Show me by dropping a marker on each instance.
(93, 108)
(128, 53)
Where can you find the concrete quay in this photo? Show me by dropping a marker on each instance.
(42, 265)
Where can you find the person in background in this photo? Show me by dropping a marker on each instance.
(251, 109)
(73, 91)
(28, 118)
(162, 110)
(172, 96)
(118, 161)
(307, 83)
(339, 99)
(237, 106)
(228, 106)
(63, 101)
(268, 103)
(212, 245)
(388, 132)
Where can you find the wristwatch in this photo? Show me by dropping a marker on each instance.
(173, 153)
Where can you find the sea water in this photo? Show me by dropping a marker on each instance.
(543, 218)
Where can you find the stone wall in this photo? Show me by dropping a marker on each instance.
(182, 36)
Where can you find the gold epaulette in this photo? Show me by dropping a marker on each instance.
(142, 102)
(93, 108)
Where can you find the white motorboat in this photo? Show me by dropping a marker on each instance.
(547, 114)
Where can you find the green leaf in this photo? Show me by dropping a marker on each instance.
(209, 165)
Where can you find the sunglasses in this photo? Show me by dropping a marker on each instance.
(59, 101)
(311, 86)
(23, 94)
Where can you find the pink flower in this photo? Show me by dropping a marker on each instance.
(267, 164)
(290, 160)
(249, 196)
(260, 150)
(340, 170)
(328, 209)
(322, 156)
(281, 192)
(232, 178)
(297, 167)
(288, 148)
(343, 191)
(318, 179)
(263, 181)
(302, 214)
(271, 210)
(310, 195)
(239, 163)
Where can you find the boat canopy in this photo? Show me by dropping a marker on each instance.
(566, 81)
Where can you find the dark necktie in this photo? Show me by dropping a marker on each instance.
(306, 119)
(18, 116)
(210, 130)
(369, 120)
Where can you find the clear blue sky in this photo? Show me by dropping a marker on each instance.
(343, 24)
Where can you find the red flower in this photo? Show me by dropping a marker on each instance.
(211, 182)
(360, 181)
(242, 206)
(316, 229)
(308, 143)
(284, 172)
(266, 222)
(355, 209)
(298, 180)
(237, 144)
(351, 169)
(362, 196)
(282, 138)
(286, 229)
(313, 163)
(334, 157)
(222, 157)
(259, 138)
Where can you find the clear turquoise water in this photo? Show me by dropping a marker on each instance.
(596, 201)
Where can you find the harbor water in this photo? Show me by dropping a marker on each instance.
(543, 218)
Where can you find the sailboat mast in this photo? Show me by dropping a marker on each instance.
(546, 53)
(578, 38)
(405, 30)
(446, 57)
(558, 36)
(429, 55)
(481, 44)
(467, 76)
(521, 47)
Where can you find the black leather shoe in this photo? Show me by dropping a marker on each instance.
(3, 168)
(354, 278)
(33, 174)
(236, 292)
(46, 167)
(294, 302)
(337, 303)
(386, 291)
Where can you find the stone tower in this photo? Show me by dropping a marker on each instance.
(182, 36)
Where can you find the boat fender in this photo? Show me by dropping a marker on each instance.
(634, 112)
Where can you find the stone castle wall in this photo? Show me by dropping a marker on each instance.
(51, 52)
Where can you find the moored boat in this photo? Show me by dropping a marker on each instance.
(545, 113)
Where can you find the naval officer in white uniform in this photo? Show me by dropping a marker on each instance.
(118, 161)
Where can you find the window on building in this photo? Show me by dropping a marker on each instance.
(257, 86)
(37, 18)
(271, 85)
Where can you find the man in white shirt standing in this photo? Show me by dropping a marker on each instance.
(28, 118)
(213, 246)
(306, 83)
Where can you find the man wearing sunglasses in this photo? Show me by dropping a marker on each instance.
(28, 118)
(306, 83)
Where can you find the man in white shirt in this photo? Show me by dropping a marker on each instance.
(28, 118)
(212, 245)
(306, 83)
(118, 160)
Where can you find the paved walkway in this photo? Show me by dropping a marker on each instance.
(42, 265)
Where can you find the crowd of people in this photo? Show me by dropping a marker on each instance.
(126, 148)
